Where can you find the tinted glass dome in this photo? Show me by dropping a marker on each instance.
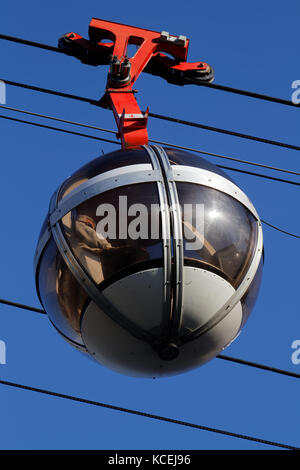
(152, 244)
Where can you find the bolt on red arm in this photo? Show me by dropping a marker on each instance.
(124, 71)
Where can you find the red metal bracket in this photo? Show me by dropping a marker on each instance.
(124, 71)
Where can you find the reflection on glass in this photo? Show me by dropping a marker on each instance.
(250, 297)
(102, 164)
(180, 157)
(62, 297)
(224, 231)
(116, 230)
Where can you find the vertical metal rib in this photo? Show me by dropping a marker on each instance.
(176, 226)
(166, 240)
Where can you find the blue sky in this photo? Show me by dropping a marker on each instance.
(251, 46)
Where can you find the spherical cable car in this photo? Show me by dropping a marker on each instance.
(149, 260)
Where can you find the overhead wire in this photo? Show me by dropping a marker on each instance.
(50, 92)
(168, 118)
(180, 121)
(220, 356)
(88, 126)
(55, 118)
(148, 415)
(22, 306)
(215, 86)
(59, 130)
(6, 37)
(256, 365)
(280, 229)
(169, 144)
(251, 94)
(260, 175)
(157, 116)
(226, 157)
(224, 131)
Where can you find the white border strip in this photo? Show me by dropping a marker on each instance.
(190, 174)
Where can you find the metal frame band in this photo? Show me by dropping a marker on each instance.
(190, 174)
(131, 174)
(236, 297)
(73, 343)
(78, 272)
(177, 280)
(109, 180)
(91, 289)
(166, 240)
(44, 238)
(166, 177)
(42, 243)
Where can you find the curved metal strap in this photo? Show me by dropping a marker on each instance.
(95, 184)
(45, 237)
(166, 240)
(91, 289)
(131, 174)
(190, 174)
(176, 221)
(236, 297)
